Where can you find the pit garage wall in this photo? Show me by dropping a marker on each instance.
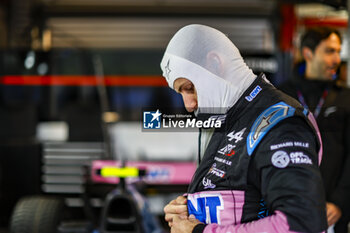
(127, 46)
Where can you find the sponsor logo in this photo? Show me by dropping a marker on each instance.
(227, 150)
(289, 144)
(280, 159)
(302, 144)
(237, 136)
(217, 172)
(227, 162)
(151, 120)
(206, 208)
(267, 119)
(207, 183)
(167, 69)
(265, 122)
(300, 158)
(253, 94)
(281, 145)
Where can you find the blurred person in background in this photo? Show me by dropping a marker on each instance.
(258, 172)
(315, 86)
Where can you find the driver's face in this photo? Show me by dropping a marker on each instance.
(189, 94)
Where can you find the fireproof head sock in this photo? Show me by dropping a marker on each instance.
(207, 58)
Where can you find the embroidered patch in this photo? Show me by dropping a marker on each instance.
(253, 94)
(269, 118)
(280, 159)
(300, 158)
(207, 183)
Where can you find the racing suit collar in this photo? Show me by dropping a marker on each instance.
(243, 103)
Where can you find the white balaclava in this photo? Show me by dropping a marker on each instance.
(207, 58)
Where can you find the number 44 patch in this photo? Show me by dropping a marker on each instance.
(237, 136)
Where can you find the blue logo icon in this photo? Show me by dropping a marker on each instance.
(254, 93)
(151, 120)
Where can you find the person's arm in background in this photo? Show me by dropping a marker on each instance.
(293, 194)
(333, 213)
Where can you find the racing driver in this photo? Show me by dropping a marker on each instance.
(257, 173)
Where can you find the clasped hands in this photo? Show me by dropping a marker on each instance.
(176, 214)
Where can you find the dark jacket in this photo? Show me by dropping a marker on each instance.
(334, 124)
(260, 171)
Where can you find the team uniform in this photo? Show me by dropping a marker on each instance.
(257, 168)
(259, 171)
